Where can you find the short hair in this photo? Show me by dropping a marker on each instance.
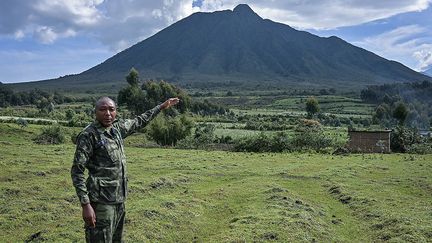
(103, 100)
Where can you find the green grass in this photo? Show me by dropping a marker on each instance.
(202, 196)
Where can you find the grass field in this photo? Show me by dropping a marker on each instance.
(328, 104)
(205, 196)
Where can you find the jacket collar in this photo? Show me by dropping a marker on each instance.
(100, 127)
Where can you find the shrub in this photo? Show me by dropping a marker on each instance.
(278, 142)
(401, 138)
(79, 119)
(22, 123)
(203, 136)
(420, 148)
(257, 143)
(310, 136)
(51, 135)
(165, 130)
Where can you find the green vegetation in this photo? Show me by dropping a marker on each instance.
(51, 135)
(202, 195)
(184, 195)
(168, 130)
(409, 104)
(312, 106)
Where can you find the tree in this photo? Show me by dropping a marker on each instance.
(380, 112)
(157, 92)
(312, 106)
(132, 96)
(133, 77)
(5, 95)
(165, 129)
(400, 112)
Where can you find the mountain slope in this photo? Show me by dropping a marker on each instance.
(242, 47)
(428, 71)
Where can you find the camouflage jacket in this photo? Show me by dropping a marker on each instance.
(100, 151)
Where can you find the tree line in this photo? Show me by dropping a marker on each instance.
(404, 103)
(39, 98)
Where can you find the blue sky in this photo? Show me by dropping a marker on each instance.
(42, 39)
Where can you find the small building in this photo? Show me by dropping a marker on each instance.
(369, 141)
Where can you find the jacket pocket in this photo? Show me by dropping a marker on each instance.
(108, 190)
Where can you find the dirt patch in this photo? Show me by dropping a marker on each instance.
(152, 214)
(36, 237)
(269, 236)
(40, 173)
(162, 183)
(275, 190)
(12, 192)
(297, 177)
(169, 205)
(250, 219)
(336, 191)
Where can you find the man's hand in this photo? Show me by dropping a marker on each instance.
(169, 102)
(89, 215)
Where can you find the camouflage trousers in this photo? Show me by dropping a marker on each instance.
(109, 223)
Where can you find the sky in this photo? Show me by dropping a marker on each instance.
(43, 39)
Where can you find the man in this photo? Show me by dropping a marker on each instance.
(100, 151)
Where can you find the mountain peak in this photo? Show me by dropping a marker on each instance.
(245, 11)
(239, 47)
(243, 8)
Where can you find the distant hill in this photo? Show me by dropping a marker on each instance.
(428, 71)
(239, 48)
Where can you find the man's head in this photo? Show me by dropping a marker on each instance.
(106, 111)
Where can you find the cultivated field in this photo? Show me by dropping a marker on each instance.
(201, 196)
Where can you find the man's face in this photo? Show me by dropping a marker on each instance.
(106, 113)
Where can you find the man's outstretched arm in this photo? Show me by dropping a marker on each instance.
(130, 126)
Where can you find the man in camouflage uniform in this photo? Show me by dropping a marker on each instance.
(100, 150)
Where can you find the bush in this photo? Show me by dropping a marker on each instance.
(51, 135)
(401, 138)
(257, 143)
(22, 123)
(79, 120)
(420, 148)
(203, 136)
(165, 130)
(311, 138)
(278, 142)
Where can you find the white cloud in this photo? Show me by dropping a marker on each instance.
(19, 34)
(424, 58)
(47, 20)
(130, 21)
(119, 23)
(400, 43)
(48, 35)
(323, 14)
(75, 12)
